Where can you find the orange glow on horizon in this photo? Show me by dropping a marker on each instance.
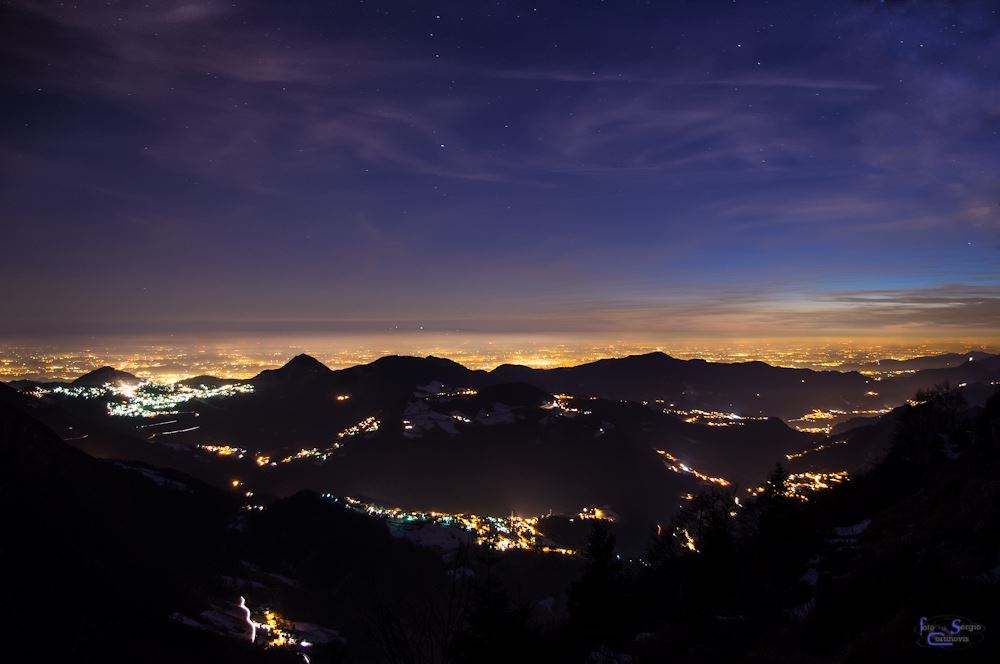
(171, 360)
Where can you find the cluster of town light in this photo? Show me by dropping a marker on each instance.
(712, 418)
(147, 399)
(678, 466)
(73, 392)
(685, 539)
(821, 421)
(595, 514)
(795, 485)
(800, 485)
(503, 533)
(273, 631)
(561, 406)
(367, 425)
(223, 450)
(813, 450)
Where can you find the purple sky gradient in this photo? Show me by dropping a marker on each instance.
(623, 169)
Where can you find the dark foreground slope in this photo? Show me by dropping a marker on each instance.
(844, 577)
(109, 562)
(101, 558)
(96, 557)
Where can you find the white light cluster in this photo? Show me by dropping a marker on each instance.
(150, 399)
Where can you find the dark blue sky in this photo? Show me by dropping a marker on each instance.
(622, 168)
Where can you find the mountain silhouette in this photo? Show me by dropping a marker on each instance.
(300, 370)
(207, 381)
(745, 387)
(941, 361)
(105, 375)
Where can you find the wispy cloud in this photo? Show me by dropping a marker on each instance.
(565, 183)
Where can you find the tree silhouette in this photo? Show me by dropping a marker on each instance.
(595, 599)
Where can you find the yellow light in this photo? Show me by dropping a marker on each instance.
(678, 467)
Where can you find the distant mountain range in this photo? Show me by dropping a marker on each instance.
(942, 361)
(634, 434)
(748, 388)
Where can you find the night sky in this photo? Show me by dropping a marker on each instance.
(619, 168)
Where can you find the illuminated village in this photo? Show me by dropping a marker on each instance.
(561, 406)
(822, 421)
(146, 399)
(503, 533)
(710, 418)
(800, 485)
(676, 465)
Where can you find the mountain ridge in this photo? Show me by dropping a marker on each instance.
(103, 375)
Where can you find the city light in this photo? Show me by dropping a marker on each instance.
(147, 399)
(561, 406)
(823, 421)
(367, 425)
(813, 450)
(160, 362)
(686, 540)
(800, 485)
(503, 533)
(712, 418)
(678, 466)
(223, 450)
